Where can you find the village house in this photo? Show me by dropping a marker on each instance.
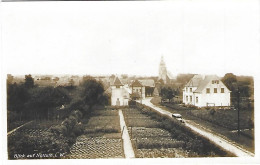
(137, 88)
(119, 93)
(202, 91)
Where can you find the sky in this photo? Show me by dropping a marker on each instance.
(203, 37)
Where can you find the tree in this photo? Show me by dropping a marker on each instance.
(17, 96)
(29, 81)
(93, 92)
(229, 79)
(167, 93)
(45, 100)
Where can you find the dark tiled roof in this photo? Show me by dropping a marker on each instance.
(136, 83)
(117, 82)
(195, 81)
(205, 81)
(147, 82)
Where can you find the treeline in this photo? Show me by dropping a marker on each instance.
(70, 104)
(27, 101)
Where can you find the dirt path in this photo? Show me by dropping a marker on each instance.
(10, 132)
(212, 137)
(128, 149)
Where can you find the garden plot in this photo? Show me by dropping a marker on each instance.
(107, 124)
(101, 138)
(134, 118)
(36, 128)
(161, 153)
(96, 147)
(149, 140)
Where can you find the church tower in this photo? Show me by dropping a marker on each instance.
(163, 71)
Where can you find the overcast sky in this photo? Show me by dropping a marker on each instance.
(208, 37)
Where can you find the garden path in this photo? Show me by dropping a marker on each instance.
(12, 131)
(128, 149)
(227, 145)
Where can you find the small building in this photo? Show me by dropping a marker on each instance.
(149, 85)
(202, 91)
(138, 88)
(119, 94)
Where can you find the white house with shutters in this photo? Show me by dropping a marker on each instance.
(203, 91)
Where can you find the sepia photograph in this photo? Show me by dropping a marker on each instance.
(158, 81)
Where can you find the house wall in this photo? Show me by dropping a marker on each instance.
(189, 94)
(119, 94)
(207, 99)
(140, 90)
(214, 99)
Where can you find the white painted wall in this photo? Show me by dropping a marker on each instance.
(119, 94)
(217, 99)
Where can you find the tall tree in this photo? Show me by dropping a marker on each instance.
(167, 93)
(93, 92)
(229, 79)
(29, 81)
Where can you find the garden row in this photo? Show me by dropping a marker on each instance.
(148, 139)
(45, 137)
(101, 137)
(186, 140)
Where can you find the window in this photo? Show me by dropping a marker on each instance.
(197, 99)
(186, 89)
(222, 90)
(190, 89)
(187, 98)
(190, 98)
(215, 81)
(215, 90)
(208, 90)
(117, 86)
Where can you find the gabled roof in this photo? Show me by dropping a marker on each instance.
(194, 81)
(117, 82)
(136, 83)
(147, 82)
(205, 81)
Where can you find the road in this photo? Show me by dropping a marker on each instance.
(227, 145)
(128, 149)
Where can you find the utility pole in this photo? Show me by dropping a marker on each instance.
(238, 99)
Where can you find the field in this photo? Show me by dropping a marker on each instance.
(226, 118)
(101, 137)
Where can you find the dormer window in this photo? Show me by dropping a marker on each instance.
(215, 81)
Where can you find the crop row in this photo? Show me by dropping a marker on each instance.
(96, 148)
(161, 153)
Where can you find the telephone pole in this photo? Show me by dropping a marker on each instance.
(238, 100)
